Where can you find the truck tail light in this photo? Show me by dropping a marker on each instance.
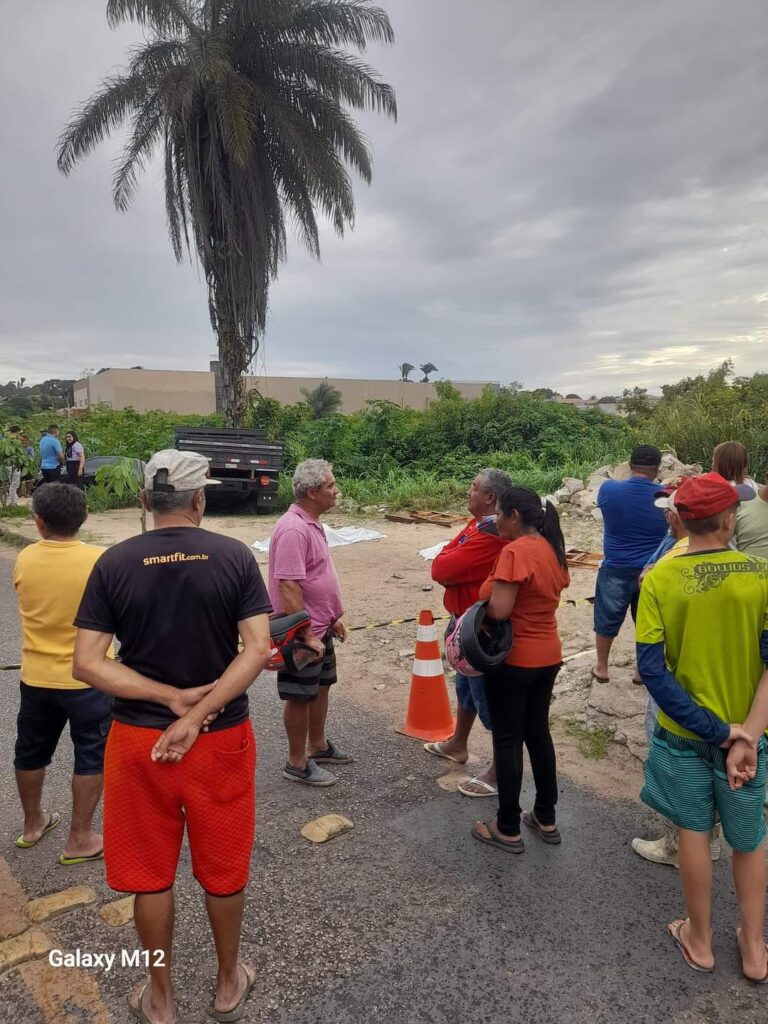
(265, 481)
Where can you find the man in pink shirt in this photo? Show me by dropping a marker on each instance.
(302, 576)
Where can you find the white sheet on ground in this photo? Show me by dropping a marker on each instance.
(336, 538)
(429, 553)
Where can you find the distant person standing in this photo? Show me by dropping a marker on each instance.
(462, 567)
(302, 576)
(731, 460)
(75, 460)
(633, 528)
(51, 455)
(14, 475)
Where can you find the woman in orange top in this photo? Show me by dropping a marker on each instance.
(524, 587)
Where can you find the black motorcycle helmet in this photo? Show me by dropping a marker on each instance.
(485, 643)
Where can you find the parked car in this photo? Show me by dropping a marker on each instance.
(92, 466)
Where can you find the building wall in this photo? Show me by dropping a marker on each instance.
(355, 393)
(194, 391)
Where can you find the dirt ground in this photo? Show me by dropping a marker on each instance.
(387, 579)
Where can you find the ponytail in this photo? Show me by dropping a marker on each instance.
(551, 530)
(544, 517)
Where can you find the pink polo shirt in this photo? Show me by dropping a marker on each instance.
(298, 550)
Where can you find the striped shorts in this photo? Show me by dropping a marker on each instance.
(686, 781)
(305, 685)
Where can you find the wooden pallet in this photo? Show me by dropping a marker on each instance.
(583, 559)
(446, 519)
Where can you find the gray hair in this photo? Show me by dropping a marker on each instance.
(309, 475)
(163, 503)
(495, 481)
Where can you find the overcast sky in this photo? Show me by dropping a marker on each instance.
(575, 195)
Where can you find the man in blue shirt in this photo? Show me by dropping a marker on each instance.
(51, 455)
(633, 528)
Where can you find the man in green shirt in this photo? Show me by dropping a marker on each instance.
(702, 646)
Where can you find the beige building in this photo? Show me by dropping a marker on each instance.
(194, 391)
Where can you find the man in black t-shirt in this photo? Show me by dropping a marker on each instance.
(181, 751)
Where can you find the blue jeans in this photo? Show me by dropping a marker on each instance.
(470, 693)
(616, 592)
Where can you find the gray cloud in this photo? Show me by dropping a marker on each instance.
(575, 195)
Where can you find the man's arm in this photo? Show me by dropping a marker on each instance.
(238, 676)
(91, 665)
(292, 600)
(466, 563)
(676, 701)
(60, 453)
(741, 764)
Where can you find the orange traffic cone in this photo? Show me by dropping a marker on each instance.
(429, 713)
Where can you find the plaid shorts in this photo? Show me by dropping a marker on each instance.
(306, 684)
(686, 781)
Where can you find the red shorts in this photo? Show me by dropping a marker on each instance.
(147, 804)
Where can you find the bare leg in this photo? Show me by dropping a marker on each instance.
(296, 720)
(749, 874)
(153, 914)
(603, 646)
(82, 840)
(30, 786)
(318, 712)
(226, 916)
(696, 876)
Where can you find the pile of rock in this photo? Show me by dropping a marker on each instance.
(581, 496)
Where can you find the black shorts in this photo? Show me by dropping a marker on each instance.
(305, 685)
(51, 476)
(43, 713)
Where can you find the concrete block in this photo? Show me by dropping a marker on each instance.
(117, 913)
(59, 902)
(329, 825)
(29, 945)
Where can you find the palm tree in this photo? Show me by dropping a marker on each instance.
(405, 369)
(324, 400)
(247, 101)
(426, 369)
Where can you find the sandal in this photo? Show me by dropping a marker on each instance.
(137, 1012)
(237, 1011)
(755, 981)
(490, 790)
(25, 844)
(436, 749)
(495, 838)
(551, 837)
(674, 933)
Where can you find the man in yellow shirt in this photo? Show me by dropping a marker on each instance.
(50, 578)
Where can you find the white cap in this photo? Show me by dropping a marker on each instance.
(665, 501)
(177, 471)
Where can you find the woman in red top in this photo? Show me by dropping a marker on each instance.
(525, 587)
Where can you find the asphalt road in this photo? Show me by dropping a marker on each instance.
(406, 918)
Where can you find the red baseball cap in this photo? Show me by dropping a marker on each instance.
(699, 497)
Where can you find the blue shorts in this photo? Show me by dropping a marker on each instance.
(686, 781)
(616, 592)
(44, 712)
(470, 693)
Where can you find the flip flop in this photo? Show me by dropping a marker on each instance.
(553, 838)
(492, 791)
(68, 861)
(674, 934)
(237, 1011)
(493, 838)
(24, 844)
(434, 748)
(600, 679)
(137, 1012)
(754, 981)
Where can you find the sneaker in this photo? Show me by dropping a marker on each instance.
(657, 851)
(714, 848)
(311, 775)
(332, 755)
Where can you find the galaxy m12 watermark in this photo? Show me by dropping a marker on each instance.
(92, 960)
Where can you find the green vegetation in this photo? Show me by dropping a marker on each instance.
(324, 400)
(248, 103)
(592, 743)
(117, 486)
(18, 400)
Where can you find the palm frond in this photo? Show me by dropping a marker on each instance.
(235, 115)
(156, 58)
(146, 132)
(97, 118)
(162, 15)
(342, 23)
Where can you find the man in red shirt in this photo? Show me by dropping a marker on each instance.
(462, 567)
